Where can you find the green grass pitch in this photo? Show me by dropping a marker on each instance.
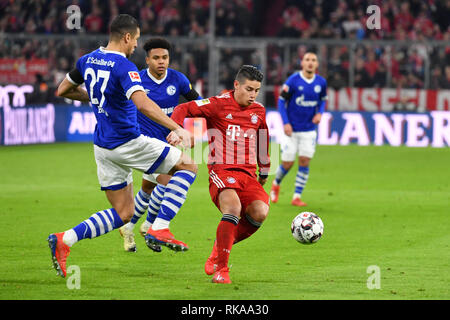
(381, 206)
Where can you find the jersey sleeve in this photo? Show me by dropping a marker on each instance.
(288, 89)
(75, 76)
(282, 101)
(186, 89)
(323, 97)
(185, 85)
(263, 158)
(204, 108)
(129, 78)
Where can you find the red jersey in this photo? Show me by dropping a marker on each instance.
(238, 136)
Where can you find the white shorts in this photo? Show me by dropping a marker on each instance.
(149, 155)
(151, 177)
(301, 143)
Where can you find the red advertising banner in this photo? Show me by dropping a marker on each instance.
(21, 71)
(386, 99)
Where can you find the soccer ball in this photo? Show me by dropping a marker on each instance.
(307, 228)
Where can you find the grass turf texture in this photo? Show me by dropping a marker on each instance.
(381, 206)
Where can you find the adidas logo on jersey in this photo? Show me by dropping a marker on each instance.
(229, 116)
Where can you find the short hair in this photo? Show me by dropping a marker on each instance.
(250, 73)
(121, 25)
(311, 52)
(157, 43)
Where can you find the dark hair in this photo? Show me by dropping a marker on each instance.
(157, 43)
(250, 73)
(122, 24)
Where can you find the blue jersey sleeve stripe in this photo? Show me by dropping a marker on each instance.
(115, 186)
(158, 161)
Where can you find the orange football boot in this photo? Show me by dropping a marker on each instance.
(274, 192)
(211, 262)
(222, 276)
(60, 251)
(164, 237)
(298, 202)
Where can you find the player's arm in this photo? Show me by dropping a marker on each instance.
(193, 109)
(192, 95)
(263, 158)
(187, 91)
(150, 109)
(70, 87)
(322, 104)
(283, 100)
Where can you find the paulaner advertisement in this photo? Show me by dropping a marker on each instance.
(21, 123)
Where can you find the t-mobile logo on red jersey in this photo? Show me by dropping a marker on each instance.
(233, 131)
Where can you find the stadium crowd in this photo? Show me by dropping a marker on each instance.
(402, 65)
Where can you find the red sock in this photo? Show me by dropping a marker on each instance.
(244, 230)
(224, 239)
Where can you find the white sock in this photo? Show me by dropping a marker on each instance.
(160, 224)
(70, 237)
(129, 226)
(146, 225)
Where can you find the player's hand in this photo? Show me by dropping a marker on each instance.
(262, 181)
(317, 117)
(173, 139)
(288, 129)
(184, 136)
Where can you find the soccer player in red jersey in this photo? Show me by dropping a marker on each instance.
(238, 141)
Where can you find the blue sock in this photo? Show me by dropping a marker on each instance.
(140, 205)
(300, 180)
(175, 194)
(98, 224)
(279, 175)
(155, 202)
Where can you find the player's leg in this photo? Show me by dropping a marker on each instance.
(141, 202)
(107, 220)
(255, 204)
(288, 154)
(255, 214)
(116, 180)
(154, 202)
(307, 148)
(98, 224)
(230, 206)
(183, 175)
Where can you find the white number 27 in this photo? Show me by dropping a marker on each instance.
(94, 79)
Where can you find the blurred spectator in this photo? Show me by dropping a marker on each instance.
(393, 65)
(446, 84)
(94, 21)
(361, 77)
(351, 25)
(288, 30)
(42, 93)
(437, 80)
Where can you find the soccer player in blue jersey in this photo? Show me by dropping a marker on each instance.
(114, 88)
(164, 86)
(301, 104)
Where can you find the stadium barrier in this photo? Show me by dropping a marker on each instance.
(49, 123)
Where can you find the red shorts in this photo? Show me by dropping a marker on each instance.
(247, 188)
